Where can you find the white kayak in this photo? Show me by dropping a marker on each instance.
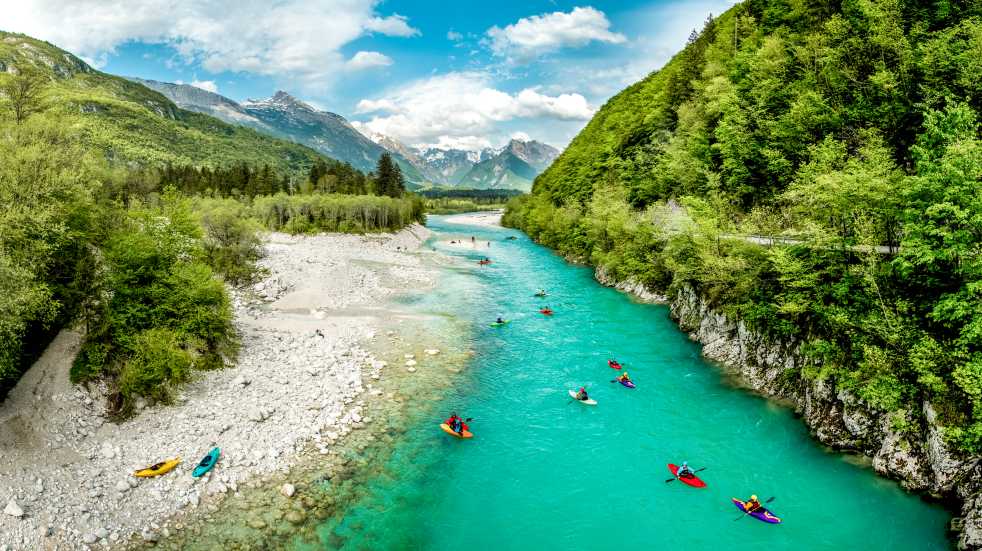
(589, 401)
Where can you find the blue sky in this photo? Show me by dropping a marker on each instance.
(463, 74)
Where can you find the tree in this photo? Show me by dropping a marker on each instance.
(389, 180)
(24, 93)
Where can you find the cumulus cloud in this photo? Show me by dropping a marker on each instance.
(394, 25)
(461, 106)
(454, 36)
(521, 136)
(292, 38)
(533, 36)
(366, 60)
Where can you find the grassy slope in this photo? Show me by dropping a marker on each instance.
(133, 123)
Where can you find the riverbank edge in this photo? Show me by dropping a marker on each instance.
(917, 456)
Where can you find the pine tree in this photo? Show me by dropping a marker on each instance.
(388, 177)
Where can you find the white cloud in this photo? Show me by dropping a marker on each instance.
(521, 136)
(541, 34)
(208, 85)
(454, 36)
(460, 107)
(366, 60)
(394, 25)
(297, 39)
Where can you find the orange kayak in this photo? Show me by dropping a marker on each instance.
(446, 428)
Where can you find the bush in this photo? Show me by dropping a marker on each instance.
(231, 243)
(154, 365)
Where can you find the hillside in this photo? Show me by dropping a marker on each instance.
(284, 116)
(131, 122)
(848, 135)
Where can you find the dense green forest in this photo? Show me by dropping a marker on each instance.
(135, 245)
(847, 129)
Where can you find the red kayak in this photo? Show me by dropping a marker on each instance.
(691, 480)
(614, 364)
(483, 262)
(546, 311)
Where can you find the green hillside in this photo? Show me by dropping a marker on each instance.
(131, 122)
(848, 129)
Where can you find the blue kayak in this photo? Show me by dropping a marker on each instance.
(207, 462)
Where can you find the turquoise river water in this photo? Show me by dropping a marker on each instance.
(546, 473)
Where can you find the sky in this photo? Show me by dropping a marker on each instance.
(466, 74)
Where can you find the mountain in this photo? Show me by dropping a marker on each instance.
(514, 167)
(129, 121)
(286, 117)
(449, 165)
(511, 167)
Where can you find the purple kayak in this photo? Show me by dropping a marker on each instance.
(628, 384)
(761, 514)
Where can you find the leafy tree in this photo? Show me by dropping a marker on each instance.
(24, 92)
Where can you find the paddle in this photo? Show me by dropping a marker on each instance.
(745, 513)
(693, 472)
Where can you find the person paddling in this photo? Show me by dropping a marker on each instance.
(624, 377)
(457, 424)
(752, 504)
(581, 394)
(499, 320)
(685, 471)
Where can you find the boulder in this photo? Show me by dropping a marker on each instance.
(288, 490)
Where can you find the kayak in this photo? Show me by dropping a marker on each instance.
(541, 295)
(499, 324)
(691, 480)
(446, 428)
(628, 384)
(206, 463)
(614, 364)
(483, 262)
(589, 402)
(160, 468)
(546, 311)
(761, 514)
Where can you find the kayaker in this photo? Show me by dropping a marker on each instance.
(752, 504)
(581, 394)
(499, 320)
(684, 471)
(624, 377)
(456, 424)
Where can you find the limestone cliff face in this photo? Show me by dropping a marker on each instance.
(907, 446)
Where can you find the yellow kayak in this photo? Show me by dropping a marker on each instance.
(158, 469)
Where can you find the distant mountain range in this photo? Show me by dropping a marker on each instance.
(511, 167)
(514, 166)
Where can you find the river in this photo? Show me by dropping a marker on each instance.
(544, 472)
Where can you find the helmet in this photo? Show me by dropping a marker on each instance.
(753, 498)
(685, 463)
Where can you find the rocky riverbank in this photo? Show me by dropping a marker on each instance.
(300, 383)
(916, 456)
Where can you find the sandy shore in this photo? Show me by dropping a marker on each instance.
(297, 385)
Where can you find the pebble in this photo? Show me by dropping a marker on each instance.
(288, 490)
(13, 509)
(411, 370)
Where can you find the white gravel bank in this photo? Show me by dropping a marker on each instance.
(65, 471)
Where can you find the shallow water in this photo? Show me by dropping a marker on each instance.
(543, 472)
